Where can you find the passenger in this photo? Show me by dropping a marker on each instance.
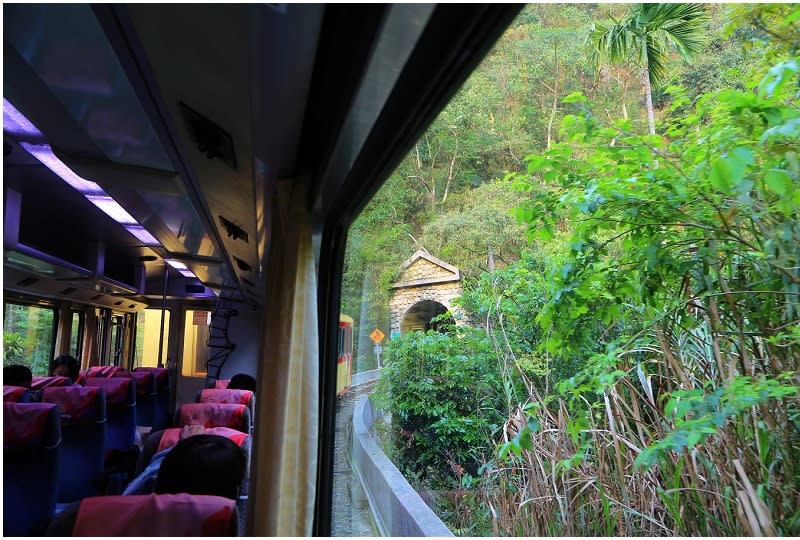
(145, 482)
(65, 365)
(203, 465)
(197, 465)
(17, 375)
(242, 381)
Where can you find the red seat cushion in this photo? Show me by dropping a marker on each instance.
(39, 383)
(154, 515)
(144, 382)
(222, 383)
(13, 393)
(116, 390)
(78, 404)
(212, 415)
(106, 372)
(24, 423)
(160, 374)
(217, 395)
(172, 436)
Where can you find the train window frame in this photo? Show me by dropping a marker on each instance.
(40, 304)
(483, 27)
(187, 323)
(136, 361)
(76, 333)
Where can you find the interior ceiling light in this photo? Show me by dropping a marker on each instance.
(180, 267)
(143, 235)
(16, 123)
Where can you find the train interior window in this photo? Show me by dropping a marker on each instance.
(195, 336)
(117, 339)
(28, 336)
(148, 324)
(76, 333)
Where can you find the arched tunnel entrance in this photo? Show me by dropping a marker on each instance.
(418, 317)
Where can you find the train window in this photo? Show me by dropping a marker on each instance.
(76, 334)
(29, 336)
(195, 336)
(148, 323)
(117, 339)
(437, 218)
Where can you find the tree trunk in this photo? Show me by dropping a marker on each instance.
(554, 108)
(648, 95)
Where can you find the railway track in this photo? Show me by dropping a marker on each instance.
(351, 514)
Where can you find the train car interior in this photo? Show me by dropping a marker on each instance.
(178, 185)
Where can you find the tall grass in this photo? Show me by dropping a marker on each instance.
(575, 471)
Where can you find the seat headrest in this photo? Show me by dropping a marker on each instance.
(31, 425)
(172, 436)
(45, 382)
(120, 391)
(145, 383)
(78, 404)
(154, 515)
(13, 393)
(106, 372)
(212, 415)
(224, 395)
(161, 374)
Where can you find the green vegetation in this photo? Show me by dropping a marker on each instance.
(28, 337)
(632, 369)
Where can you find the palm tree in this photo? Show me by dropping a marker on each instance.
(646, 36)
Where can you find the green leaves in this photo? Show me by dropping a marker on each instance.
(445, 394)
(728, 172)
(779, 181)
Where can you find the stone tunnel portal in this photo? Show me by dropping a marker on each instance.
(426, 288)
(418, 317)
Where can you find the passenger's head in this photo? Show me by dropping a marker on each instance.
(65, 365)
(242, 381)
(17, 375)
(203, 465)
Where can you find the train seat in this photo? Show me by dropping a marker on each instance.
(166, 438)
(146, 397)
(40, 383)
(222, 383)
(156, 515)
(83, 431)
(215, 415)
(16, 394)
(120, 409)
(223, 395)
(31, 459)
(106, 372)
(163, 395)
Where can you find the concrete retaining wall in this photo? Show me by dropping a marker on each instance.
(398, 509)
(366, 376)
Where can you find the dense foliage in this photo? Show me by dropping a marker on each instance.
(28, 337)
(633, 369)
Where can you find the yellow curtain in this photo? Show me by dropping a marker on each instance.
(283, 478)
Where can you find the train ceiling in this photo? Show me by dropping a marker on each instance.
(189, 116)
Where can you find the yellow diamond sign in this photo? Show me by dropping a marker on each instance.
(376, 336)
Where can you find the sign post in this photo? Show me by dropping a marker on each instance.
(377, 336)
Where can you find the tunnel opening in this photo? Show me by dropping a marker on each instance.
(419, 318)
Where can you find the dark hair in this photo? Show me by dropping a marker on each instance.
(203, 465)
(70, 362)
(242, 381)
(17, 375)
